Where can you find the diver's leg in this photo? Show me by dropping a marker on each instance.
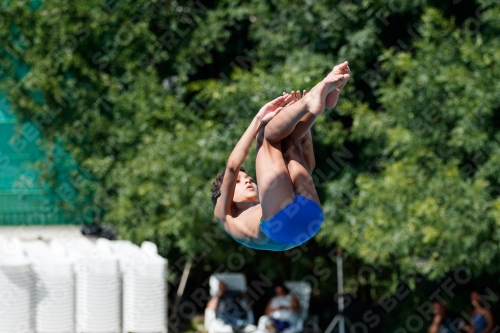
(297, 220)
(301, 135)
(307, 150)
(313, 104)
(274, 184)
(333, 97)
(298, 170)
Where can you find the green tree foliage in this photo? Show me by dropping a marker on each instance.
(435, 201)
(151, 96)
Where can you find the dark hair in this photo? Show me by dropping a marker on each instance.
(281, 283)
(481, 299)
(215, 191)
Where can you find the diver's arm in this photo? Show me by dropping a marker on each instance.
(234, 163)
(240, 152)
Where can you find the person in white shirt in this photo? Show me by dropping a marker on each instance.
(282, 310)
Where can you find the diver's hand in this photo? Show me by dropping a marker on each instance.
(271, 109)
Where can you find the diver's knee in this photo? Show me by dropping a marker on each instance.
(271, 136)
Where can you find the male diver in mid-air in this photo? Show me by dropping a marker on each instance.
(286, 210)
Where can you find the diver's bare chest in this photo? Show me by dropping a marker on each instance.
(248, 222)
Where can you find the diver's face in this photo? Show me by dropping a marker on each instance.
(246, 189)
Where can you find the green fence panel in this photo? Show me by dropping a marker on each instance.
(24, 198)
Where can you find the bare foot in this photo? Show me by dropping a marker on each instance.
(333, 97)
(316, 98)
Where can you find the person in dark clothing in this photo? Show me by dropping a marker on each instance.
(230, 308)
(441, 323)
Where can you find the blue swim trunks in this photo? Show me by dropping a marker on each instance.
(295, 224)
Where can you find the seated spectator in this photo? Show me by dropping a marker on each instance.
(441, 322)
(282, 310)
(230, 310)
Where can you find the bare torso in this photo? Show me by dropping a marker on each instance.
(245, 225)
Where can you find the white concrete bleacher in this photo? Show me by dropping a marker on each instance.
(17, 286)
(98, 286)
(144, 289)
(76, 285)
(54, 289)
